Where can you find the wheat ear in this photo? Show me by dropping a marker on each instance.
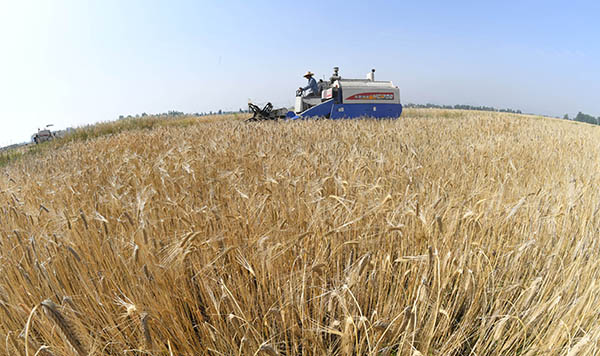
(53, 313)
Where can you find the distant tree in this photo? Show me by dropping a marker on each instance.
(566, 117)
(581, 117)
(121, 117)
(220, 112)
(144, 114)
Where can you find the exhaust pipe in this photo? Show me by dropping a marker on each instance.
(371, 75)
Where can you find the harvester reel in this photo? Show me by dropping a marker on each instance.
(263, 114)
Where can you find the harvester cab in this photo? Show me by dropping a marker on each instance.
(304, 103)
(341, 98)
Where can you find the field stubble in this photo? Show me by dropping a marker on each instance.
(442, 233)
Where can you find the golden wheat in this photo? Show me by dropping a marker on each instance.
(442, 233)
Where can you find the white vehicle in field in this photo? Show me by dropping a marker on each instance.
(43, 135)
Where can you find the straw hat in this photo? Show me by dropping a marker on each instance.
(308, 74)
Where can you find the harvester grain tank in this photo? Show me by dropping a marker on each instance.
(341, 98)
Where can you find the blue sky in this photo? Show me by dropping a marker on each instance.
(70, 63)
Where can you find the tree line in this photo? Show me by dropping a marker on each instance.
(460, 107)
(581, 117)
(176, 113)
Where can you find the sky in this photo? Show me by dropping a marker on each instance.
(70, 62)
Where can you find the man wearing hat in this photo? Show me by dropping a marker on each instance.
(312, 88)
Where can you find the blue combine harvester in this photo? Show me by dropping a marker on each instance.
(340, 98)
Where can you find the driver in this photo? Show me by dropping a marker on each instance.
(312, 89)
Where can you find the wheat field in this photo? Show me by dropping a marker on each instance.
(441, 233)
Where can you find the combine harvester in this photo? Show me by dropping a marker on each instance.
(340, 98)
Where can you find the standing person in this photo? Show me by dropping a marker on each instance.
(312, 88)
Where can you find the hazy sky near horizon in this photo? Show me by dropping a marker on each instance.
(71, 62)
